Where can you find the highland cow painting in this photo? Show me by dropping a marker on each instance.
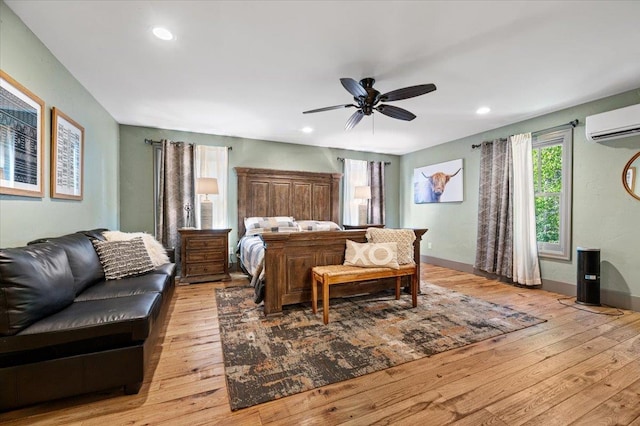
(438, 183)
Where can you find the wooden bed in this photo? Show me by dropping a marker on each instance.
(289, 257)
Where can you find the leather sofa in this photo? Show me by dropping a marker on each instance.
(65, 330)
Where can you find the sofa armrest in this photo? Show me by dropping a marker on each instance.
(171, 252)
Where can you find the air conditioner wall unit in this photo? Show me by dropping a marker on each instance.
(615, 124)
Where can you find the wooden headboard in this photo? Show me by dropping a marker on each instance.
(303, 195)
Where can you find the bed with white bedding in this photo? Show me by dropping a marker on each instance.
(282, 271)
(250, 249)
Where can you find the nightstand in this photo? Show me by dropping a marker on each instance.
(204, 255)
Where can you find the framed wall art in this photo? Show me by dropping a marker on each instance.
(21, 140)
(438, 183)
(67, 157)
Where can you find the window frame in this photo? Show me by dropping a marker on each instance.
(564, 137)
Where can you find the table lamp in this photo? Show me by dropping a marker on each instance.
(362, 193)
(206, 186)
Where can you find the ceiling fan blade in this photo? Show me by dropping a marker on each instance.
(354, 119)
(329, 108)
(407, 92)
(353, 87)
(395, 112)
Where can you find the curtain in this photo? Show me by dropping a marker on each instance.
(375, 213)
(494, 250)
(175, 193)
(212, 161)
(526, 268)
(355, 174)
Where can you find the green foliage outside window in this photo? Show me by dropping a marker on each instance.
(547, 181)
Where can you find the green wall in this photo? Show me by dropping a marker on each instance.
(118, 175)
(604, 215)
(22, 219)
(136, 170)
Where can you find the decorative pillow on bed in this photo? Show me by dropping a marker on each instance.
(403, 237)
(371, 255)
(261, 225)
(318, 225)
(156, 250)
(122, 259)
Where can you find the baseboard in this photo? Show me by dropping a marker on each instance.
(607, 297)
(451, 264)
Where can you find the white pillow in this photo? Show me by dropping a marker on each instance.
(156, 251)
(261, 225)
(371, 255)
(318, 225)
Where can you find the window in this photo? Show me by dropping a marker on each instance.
(355, 174)
(552, 166)
(210, 161)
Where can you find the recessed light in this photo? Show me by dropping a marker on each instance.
(483, 110)
(162, 33)
(307, 129)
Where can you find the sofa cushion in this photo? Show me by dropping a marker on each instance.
(167, 269)
(149, 283)
(35, 281)
(95, 234)
(121, 259)
(84, 262)
(131, 316)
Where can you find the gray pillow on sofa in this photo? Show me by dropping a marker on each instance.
(122, 259)
(35, 282)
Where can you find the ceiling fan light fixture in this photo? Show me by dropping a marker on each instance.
(162, 33)
(483, 110)
(368, 99)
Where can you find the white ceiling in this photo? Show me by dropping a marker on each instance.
(249, 69)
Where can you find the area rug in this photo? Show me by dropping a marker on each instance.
(268, 358)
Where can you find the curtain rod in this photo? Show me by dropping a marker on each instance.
(386, 163)
(573, 123)
(152, 142)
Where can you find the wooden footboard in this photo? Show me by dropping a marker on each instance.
(289, 258)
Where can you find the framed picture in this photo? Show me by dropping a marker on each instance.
(21, 140)
(438, 183)
(67, 153)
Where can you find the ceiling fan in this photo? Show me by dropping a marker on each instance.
(368, 99)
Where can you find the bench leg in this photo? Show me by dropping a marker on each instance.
(414, 290)
(325, 301)
(398, 279)
(314, 294)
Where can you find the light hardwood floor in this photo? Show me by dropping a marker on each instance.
(579, 368)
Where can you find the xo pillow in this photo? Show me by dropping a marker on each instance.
(371, 255)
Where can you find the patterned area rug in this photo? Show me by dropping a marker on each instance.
(269, 358)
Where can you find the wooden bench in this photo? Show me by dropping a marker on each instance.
(340, 274)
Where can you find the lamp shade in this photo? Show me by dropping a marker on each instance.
(362, 193)
(206, 186)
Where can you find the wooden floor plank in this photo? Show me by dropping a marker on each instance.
(571, 409)
(581, 367)
(621, 409)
